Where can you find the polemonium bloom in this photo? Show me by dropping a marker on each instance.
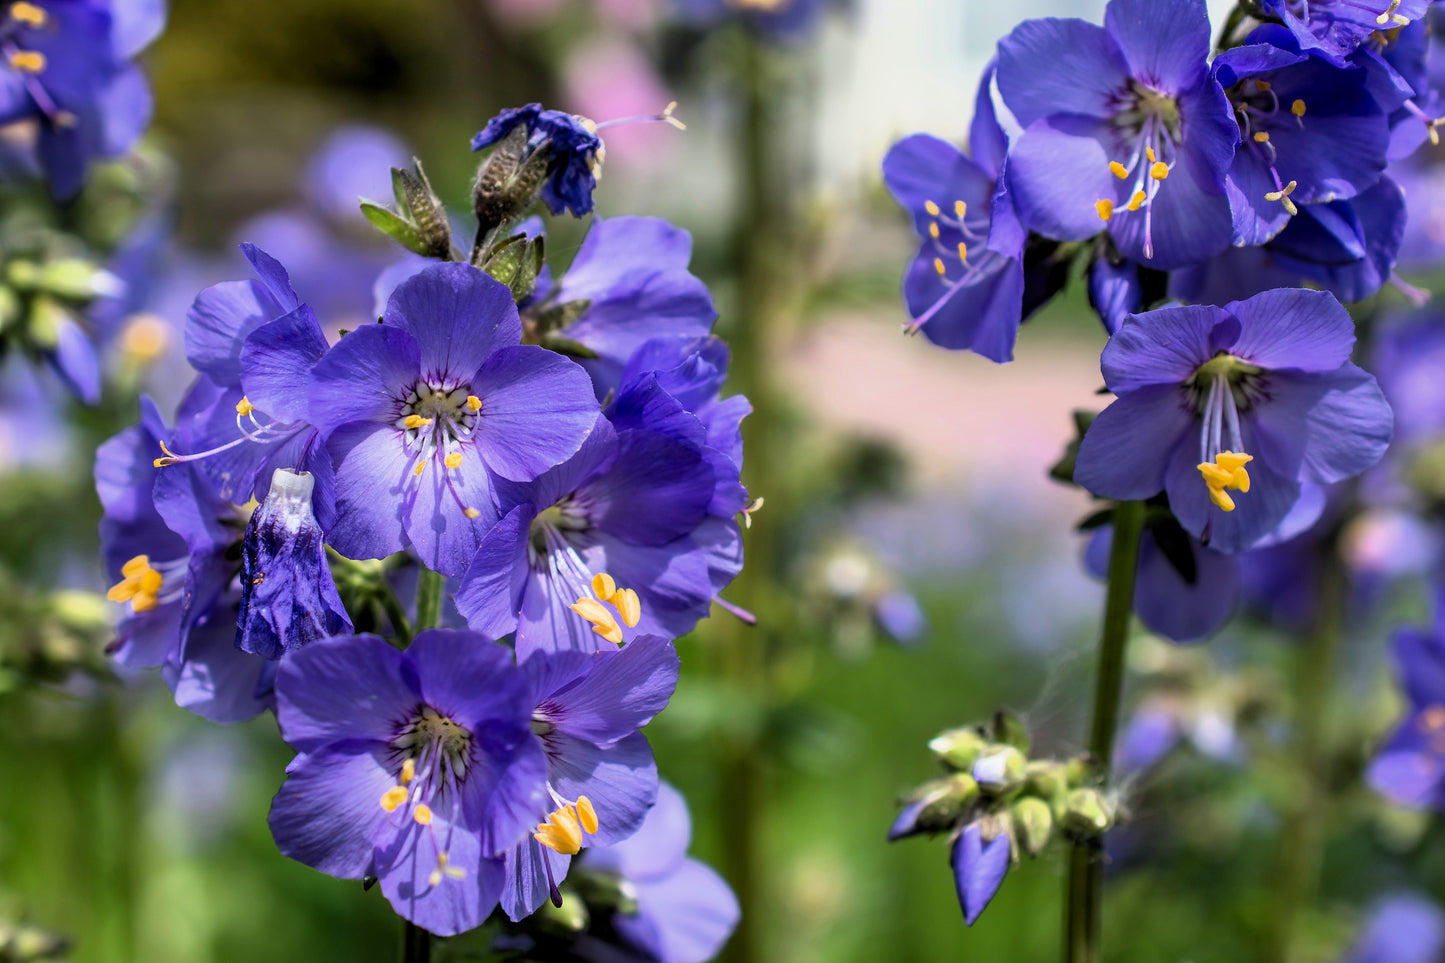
(416, 767)
(681, 911)
(576, 152)
(425, 412)
(600, 772)
(288, 597)
(1202, 392)
(1401, 929)
(1336, 28)
(1310, 131)
(1410, 767)
(1124, 129)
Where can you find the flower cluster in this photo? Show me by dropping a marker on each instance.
(263, 545)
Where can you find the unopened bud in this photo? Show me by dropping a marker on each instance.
(1033, 823)
(78, 280)
(1000, 770)
(958, 748)
(418, 203)
(1087, 815)
(1010, 730)
(1046, 778)
(936, 806)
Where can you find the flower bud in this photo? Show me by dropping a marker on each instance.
(1010, 730)
(958, 748)
(1046, 778)
(1033, 823)
(935, 806)
(1087, 815)
(1000, 770)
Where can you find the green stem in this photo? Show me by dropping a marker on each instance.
(415, 944)
(1085, 877)
(395, 614)
(429, 587)
(1302, 838)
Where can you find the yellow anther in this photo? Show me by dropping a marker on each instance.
(408, 771)
(962, 251)
(1159, 171)
(170, 457)
(28, 61)
(393, 798)
(421, 815)
(1221, 499)
(1105, 208)
(28, 13)
(587, 815)
(1137, 201)
(604, 586)
(1225, 472)
(417, 421)
(1232, 461)
(474, 404)
(1297, 108)
(1263, 85)
(938, 266)
(1385, 17)
(418, 470)
(136, 566)
(1261, 137)
(960, 210)
(933, 230)
(140, 585)
(454, 460)
(933, 209)
(244, 407)
(561, 832)
(748, 512)
(602, 621)
(471, 512)
(1149, 152)
(1119, 170)
(1214, 476)
(629, 606)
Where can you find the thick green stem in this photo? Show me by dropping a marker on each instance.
(429, 587)
(1302, 838)
(1085, 877)
(395, 614)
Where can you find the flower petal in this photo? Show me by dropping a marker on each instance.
(349, 687)
(1057, 66)
(1322, 427)
(537, 407)
(459, 316)
(1293, 328)
(1126, 451)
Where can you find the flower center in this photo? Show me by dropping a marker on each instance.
(436, 423)
(1221, 388)
(436, 754)
(1150, 120)
(548, 531)
(143, 585)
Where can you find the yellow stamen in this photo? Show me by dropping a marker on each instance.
(960, 210)
(471, 512)
(629, 606)
(140, 585)
(454, 460)
(938, 266)
(1297, 108)
(421, 815)
(136, 566)
(1105, 208)
(417, 421)
(1149, 151)
(1384, 18)
(1137, 201)
(393, 798)
(587, 815)
(474, 404)
(170, 458)
(1261, 137)
(933, 230)
(561, 832)
(1159, 171)
(1225, 472)
(1263, 85)
(748, 512)
(1221, 499)
(933, 209)
(244, 407)
(28, 61)
(602, 621)
(419, 466)
(28, 13)
(604, 586)
(1120, 171)
(408, 771)
(962, 251)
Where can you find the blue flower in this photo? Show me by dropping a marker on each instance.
(979, 867)
(1204, 391)
(288, 596)
(424, 413)
(1404, 928)
(416, 767)
(681, 910)
(1336, 28)
(1410, 767)
(1124, 125)
(576, 152)
(589, 708)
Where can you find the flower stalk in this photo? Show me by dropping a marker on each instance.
(1084, 899)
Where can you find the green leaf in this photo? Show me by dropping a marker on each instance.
(394, 226)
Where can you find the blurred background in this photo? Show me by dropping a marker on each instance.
(919, 571)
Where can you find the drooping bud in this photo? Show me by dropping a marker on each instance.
(288, 596)
(1087, 814)
(934, 807)
(1000, 770)
(1033, 823)
(958, 748)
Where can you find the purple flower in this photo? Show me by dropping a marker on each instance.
(626, 507)
(979, 867)
(288, 596)
(416, 767)
(1336, 28)
(633, 272)
(425, 412)
(1310, 131)
(1410, 767)
(576, 152)
(67, 66)
(1401, 929)
(1122, 123)
(1204, 391)
(965, 287)
(600, 773)
(780, 20)
(681, 910)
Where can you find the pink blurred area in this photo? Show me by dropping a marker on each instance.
(609, 79)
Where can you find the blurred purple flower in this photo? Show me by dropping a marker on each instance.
(1404, 928)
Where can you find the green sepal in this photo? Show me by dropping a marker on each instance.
(1033, 824)
(1063, 469)
(394, 226)
(958, 748)
(1010, 730)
